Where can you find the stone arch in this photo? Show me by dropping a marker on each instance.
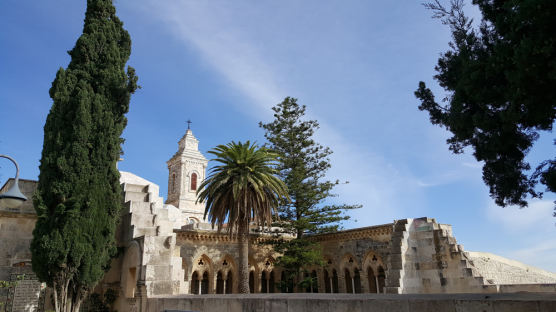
(131, 269)
(254, 269)
(371, 264)
(381, 276)
(349, 262)
(202, 264)
(373, 259)
(228, 267)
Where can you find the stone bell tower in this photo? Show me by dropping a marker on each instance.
(187, 170)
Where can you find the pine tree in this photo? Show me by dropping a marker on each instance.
(79, 196)
(303, 166)
(500, 84)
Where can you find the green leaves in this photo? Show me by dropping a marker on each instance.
(243, 187)
(303, 165)
(500, 82)
(78, 196)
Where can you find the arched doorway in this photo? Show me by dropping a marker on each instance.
(195, 283)
(381, 279)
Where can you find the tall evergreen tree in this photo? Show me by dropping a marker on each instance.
(500, 81)
(303, 166)
(79, 195)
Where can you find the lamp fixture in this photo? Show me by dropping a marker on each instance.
(12, 198)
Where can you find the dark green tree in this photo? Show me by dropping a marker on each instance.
(79, 196)
(303, 166)
(500, 80)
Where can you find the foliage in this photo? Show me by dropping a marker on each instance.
(242, 189)
(79, 196)
(500, 80)
(6, 287)
(97, 303)
(303, 165)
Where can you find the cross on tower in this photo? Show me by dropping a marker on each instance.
(189, 124)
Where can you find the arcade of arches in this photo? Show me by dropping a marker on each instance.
(209, 261)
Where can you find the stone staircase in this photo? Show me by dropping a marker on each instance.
(145, 220)
(398, 245)
(455, 251)
(425, 257)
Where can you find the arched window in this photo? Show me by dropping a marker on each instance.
(381, 279)
(219, 283)
(173, 182)
(314, 282)
(264, 283)
(372, 280)
(271, 282)
(327, 282)
(357, 281)
(193, 181)
(335, 281)
(349, 282)
(229, 283)
(205, 283)
(252, 282)
(195, 284)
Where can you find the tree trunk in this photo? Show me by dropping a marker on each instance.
(243, 236)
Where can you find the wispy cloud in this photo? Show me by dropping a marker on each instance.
(533, 218)
(210, 30)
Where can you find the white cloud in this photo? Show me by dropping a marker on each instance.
(209, 28)
(537, 216)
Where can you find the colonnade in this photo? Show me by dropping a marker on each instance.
(347, 277)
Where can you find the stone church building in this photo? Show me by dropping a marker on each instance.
(168, 250)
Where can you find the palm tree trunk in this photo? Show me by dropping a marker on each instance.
(243, 235)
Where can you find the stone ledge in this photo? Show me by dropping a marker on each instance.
(534, 302)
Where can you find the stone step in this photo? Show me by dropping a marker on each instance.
(163, 287)
(161, 213)
(158, 272)
(135, 188)
(136, 207)
(136, 196)
(141, 220)
(145, 231)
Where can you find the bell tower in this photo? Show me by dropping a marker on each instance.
(186, 170)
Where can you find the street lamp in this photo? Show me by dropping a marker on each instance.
(13, 197)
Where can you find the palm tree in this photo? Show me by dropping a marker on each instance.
(242, 189)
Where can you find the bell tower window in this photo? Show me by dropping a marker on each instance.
(173, 182)
(193, 181)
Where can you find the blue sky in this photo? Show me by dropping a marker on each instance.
(224, 64)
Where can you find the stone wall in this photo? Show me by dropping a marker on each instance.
(355, 303)
(16, 230)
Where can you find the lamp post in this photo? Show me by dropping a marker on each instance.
(13, 198)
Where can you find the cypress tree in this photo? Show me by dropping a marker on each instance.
(303, 165)
(79, 196)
